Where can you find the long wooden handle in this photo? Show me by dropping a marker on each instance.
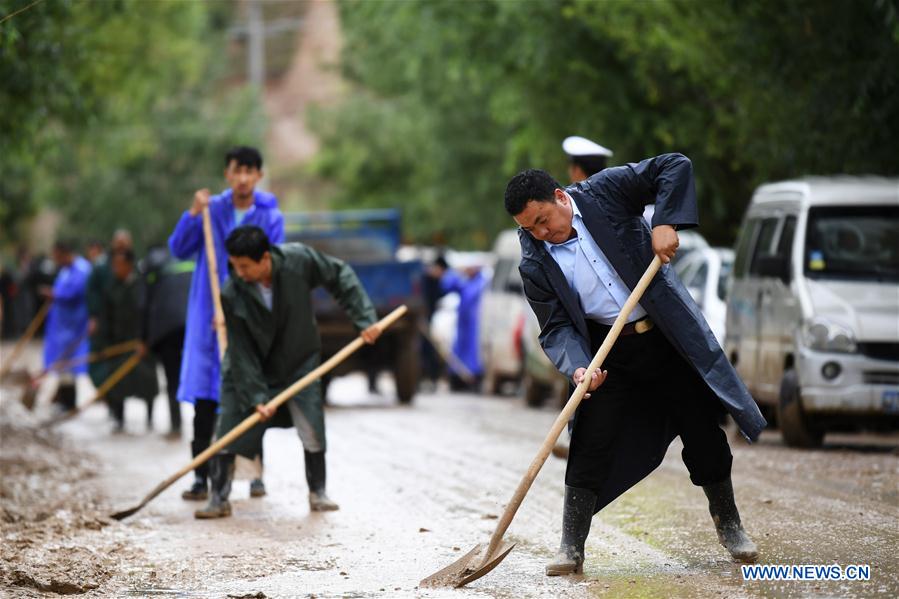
(252, 420)
(451, 359)
(568, 411)
(110, 382)
(103, 354)
(32, 328)
(212, 267)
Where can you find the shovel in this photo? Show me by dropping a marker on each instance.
(212, 269)
(113, 380)
(252, 420)
(480, 560)
(449, 358)
(30, 384)
(97, 356)
(32, 328)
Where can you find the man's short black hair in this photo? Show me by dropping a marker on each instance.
(248, 241)
(126, 254)
(590, 164)
(64, 246)
(245, 156)
(532, 184)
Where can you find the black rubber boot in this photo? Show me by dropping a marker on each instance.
(221, 474)
(315, 478)
(65, 396)
(199, 490)
(257, 488)
(576, 516)
(727, 522)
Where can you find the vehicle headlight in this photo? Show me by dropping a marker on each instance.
(823, 335)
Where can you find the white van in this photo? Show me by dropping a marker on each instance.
(502, 316)
(813, 309)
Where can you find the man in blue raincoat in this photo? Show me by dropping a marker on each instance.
(241, 204)
(65, 335)
(583, 248)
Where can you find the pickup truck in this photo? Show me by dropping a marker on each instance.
(368, 240)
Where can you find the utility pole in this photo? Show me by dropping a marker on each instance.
(256, 51)
(255, 31)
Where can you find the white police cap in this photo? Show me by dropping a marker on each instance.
(581, 146)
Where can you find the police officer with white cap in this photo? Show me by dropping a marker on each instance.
(586, 157)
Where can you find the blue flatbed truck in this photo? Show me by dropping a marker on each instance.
(368, 241)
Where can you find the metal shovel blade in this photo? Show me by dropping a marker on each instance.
(125, 513)
(467, 568)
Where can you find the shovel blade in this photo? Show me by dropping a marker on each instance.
(467, 568)
(123, 514)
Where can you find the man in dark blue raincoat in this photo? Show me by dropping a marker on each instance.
(583, 249)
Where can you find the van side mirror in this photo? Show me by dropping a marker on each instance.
(777, 267)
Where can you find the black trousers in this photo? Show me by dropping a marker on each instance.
(169, 351)
(204, 427)
(646, 375)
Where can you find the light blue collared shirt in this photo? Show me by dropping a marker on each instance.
(591, 277)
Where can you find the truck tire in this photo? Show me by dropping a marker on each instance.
(794, 425)
(407, 370)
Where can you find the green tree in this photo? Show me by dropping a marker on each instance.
(454, 97)
(118, 110)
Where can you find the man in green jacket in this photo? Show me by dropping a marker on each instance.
(120, 320)
(273, 341)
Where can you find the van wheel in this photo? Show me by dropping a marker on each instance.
(794, 425)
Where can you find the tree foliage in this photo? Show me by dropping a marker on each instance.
(115, 111)
(454, 97)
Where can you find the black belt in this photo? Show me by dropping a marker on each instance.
(637, 327)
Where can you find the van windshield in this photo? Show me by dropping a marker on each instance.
(853, 243)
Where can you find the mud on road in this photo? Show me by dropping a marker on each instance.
(50, 511)
(418, 486)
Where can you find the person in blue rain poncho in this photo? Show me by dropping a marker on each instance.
(470, 285)
(65, 335)
(241, 204)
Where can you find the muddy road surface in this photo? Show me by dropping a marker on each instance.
(417, 487)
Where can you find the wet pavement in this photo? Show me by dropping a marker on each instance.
(419, 486)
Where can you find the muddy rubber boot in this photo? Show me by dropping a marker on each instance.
(315, 478)
(727, 522)
(257, 488)
(199, 490)
(576, 516)
(221, 473)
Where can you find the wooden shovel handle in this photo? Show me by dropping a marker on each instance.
(448, 357)
(568, 411)
(32, 328)
(103, 354)
(111, 381)
(252, 420)
(212, 267)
